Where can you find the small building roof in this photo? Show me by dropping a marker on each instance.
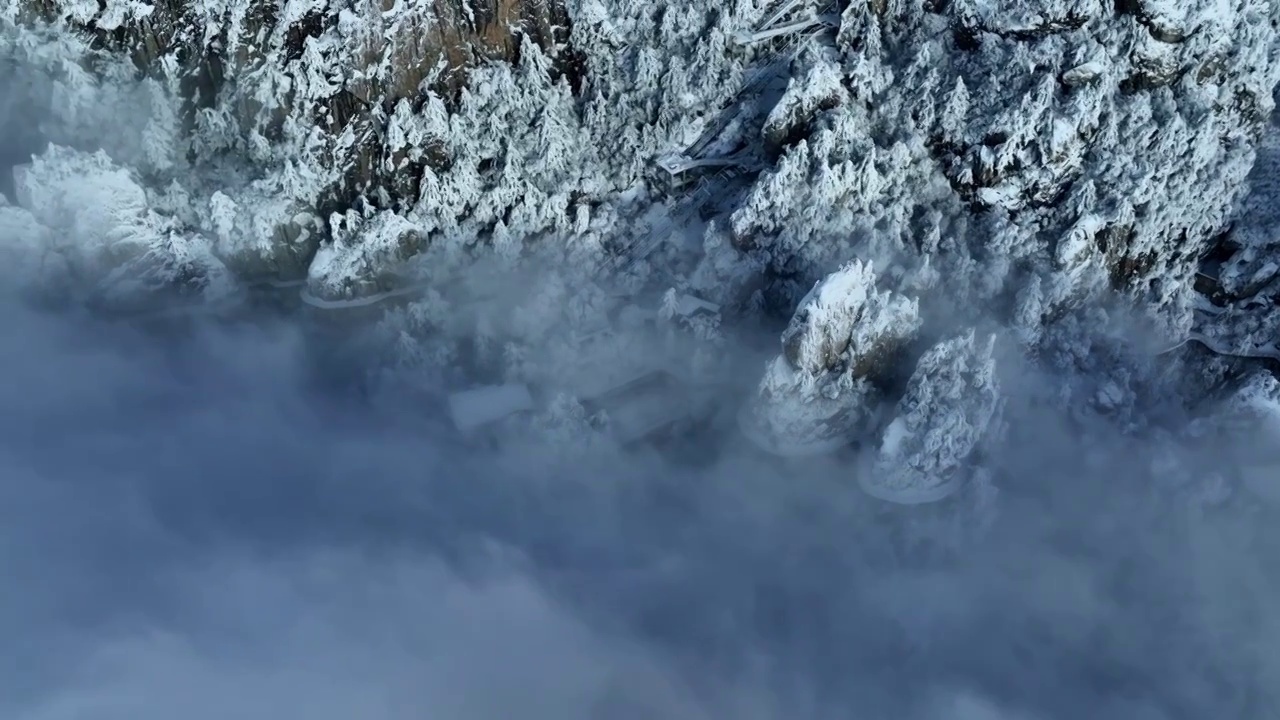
(475, 408)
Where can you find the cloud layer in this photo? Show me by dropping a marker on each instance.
(192, 527)
(201, 525)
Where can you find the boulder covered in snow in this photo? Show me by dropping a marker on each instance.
(263, 235)
(86, 217)
(822, 388)
(941, 420)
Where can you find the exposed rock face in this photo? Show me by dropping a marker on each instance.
(339, 66)
(435, 41)
(292, 112)
(1001, 163)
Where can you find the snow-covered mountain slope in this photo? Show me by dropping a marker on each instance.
(1072, 142)
(863, 348)
(1009, 168)
(1085, 144)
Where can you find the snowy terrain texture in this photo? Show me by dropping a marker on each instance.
(993, 160)
(897, 235)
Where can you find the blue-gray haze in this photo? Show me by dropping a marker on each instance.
(200, 526)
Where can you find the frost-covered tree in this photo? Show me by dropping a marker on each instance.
(1253, 269)
(293, 112)
(947, 411)
(845, 321)
(994, 139)
(363, 253)
(61, 89)
(1098, 146)
(1007, 160)
(1016, 160)
(657, 73)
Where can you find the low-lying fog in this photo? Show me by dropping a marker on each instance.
(194, 528)
(200, 527)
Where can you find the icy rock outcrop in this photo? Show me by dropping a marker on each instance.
(845, 322)
(262, 234)
(363, 255)
(948, 410)
(84, 217)
(822, 390)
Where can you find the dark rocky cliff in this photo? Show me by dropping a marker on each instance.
(390, 51)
